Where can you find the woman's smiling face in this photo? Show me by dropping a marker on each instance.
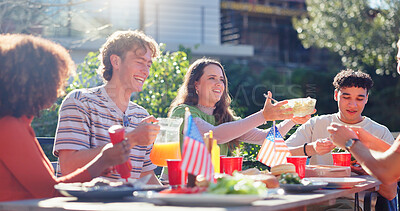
(211, 85)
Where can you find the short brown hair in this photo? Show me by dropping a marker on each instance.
(32, 74)
(351, 78)
(119, 43)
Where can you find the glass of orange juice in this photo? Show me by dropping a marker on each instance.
(167, 145)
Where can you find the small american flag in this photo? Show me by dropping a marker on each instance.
(196, 159)
(274, 150)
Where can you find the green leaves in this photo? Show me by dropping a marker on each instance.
(160, 88)
(361, 35)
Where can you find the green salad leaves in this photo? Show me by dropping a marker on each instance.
(237, 184)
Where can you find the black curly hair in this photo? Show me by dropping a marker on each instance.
(351, 78)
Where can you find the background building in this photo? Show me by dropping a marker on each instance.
(257, 32)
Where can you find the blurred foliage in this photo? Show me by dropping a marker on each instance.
(363, 36)
(166, 76)
(86, 75)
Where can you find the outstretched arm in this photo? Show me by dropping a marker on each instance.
(371, 141)
(230, 130)
(378, 164)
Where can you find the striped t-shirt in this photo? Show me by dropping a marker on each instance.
(84, 119)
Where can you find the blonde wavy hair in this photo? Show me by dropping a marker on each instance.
(119, 43)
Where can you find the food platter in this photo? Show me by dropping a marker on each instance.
(207, 199)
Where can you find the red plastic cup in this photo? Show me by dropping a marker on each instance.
(117, 134)
(221, 166)
(341, 158)
(231, 164)
(300, 164)
(175, 173)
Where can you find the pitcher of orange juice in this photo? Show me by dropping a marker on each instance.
(167, 145)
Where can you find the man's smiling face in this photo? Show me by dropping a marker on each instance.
(351, 103)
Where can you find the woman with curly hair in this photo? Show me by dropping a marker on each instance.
(205, 92)
(33, 73)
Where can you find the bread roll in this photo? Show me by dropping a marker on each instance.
(269, 180)
(283, 168)
(251, 171)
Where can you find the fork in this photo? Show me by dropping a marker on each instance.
(266, 96)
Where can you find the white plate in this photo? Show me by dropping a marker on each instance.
(337, 182)
(206, 199)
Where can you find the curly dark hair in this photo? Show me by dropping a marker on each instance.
(32, 74)
(119, 43)
(351, 78)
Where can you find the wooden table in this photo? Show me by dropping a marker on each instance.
(285, 202)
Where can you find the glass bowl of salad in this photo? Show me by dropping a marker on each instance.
(301, 106)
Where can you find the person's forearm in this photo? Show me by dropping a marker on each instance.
(388, 191)
(285, 126)
(377, 165)
(231, 130)
(70, 160)
(299, 150)
(97, 165)
(378, 145)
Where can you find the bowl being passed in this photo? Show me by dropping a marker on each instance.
(301, 106)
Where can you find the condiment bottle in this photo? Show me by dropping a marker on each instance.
(215, 152)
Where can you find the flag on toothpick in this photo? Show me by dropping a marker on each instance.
(196, 159)
(274, 150)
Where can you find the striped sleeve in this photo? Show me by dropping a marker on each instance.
(147, 164)
(73, 130)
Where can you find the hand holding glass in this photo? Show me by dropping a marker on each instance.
(166, 145)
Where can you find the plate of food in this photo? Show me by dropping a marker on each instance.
(291, 182)
(205, 198)
(100, 188)
(229, 190)
(338, 182)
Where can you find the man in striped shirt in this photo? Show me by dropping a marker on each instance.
(86, 114)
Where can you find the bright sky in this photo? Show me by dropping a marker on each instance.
(377, 3)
